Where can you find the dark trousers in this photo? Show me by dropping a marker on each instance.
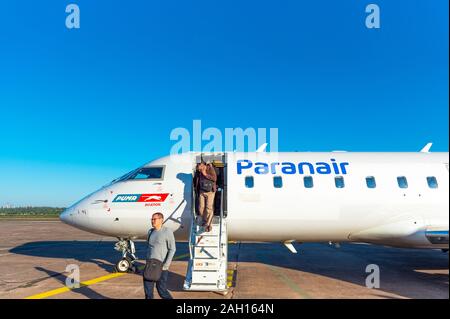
(161, 286)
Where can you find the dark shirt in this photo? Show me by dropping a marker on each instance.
(210, 174)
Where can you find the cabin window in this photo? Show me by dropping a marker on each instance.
(308, 182)
(402, 182)
(370, 181)
(249, 182)
(432, 182)
(148, 173)
(339, 182)
(277, 182)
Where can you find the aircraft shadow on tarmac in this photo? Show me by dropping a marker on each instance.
(400, 269)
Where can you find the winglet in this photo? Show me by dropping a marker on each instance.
(426, 148)
(262, 148)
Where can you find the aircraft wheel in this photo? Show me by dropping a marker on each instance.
(123, 265)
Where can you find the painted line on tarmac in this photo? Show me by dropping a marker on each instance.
(61, 290)
(289, 282)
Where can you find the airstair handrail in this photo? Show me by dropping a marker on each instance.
(193, 223)
(221, 221)
(175, 210)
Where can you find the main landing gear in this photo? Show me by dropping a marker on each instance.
(128, 250)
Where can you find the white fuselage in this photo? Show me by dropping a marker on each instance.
(385, 214)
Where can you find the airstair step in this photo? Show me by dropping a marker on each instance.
(215, 231)
(202, 277)
(208, 241)
(201, 265)
(206, 252)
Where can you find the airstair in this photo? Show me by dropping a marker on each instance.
(207, 268)
(208, 263)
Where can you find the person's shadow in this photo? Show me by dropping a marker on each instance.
(185, 216)
(101, 253)
(83, 290)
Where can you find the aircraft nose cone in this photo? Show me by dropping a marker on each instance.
(66, 217)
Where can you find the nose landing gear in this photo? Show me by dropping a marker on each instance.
(128, 250)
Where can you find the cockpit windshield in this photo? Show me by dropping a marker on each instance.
(124, 177)
(144, 173)
(152, 172)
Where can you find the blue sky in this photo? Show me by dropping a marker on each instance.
(81, 107)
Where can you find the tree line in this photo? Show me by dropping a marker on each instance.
(53, 211)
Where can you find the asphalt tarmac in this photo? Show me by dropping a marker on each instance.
(34, 256)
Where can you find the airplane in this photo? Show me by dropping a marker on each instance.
(384, 198)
